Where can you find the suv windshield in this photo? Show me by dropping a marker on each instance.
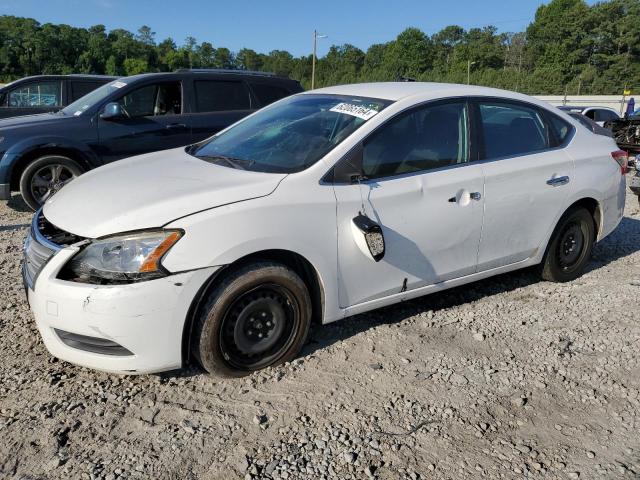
(83, 103)
(291, 135)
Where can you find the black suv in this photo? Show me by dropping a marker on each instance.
(128, 116)
(46, 93)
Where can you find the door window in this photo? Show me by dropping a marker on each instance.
(153, 100)
(220, 95)
(602, 115)
(37, 94)
(80, 89)
(562, 129)
(511, 129)
(423, 139)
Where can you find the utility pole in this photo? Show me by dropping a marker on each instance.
(469, 63)
(313, 59)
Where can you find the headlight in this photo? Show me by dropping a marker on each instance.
(128, 258)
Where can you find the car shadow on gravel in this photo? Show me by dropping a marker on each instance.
(17, 203)
(11, 228)
(323, 336)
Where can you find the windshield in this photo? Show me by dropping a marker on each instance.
(291, 135)
(83, 103)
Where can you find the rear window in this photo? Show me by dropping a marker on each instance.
(221, 95)
(267, 94)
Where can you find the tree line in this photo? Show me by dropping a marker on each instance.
(569, 48)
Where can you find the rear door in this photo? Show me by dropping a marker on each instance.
(217, 103)
(32, 98)
(154, 121)
(527, 178)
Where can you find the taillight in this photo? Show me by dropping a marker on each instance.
(621, 158)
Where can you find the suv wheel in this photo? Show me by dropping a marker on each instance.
(45, 176)
(257, 316)
(570, 247)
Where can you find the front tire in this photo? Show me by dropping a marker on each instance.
(257, 316)
(45, 176)
(570, 247)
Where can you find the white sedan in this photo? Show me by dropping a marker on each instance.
(321, 206)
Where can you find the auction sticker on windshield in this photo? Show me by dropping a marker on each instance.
(355, 110)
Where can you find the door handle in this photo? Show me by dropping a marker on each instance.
(173, 126)
(557, 181)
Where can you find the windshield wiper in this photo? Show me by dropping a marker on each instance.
(238, 163)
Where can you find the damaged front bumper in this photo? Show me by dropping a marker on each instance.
(130, 328)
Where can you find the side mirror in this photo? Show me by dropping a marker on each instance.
(368, 236)
(112, 111)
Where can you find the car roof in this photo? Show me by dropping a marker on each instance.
(78, 76)
(217, 73)
(395, 91)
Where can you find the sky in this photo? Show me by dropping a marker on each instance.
(279, 24)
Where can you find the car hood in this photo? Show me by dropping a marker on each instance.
(31, 120)
(150, 191)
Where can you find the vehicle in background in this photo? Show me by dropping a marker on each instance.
(626, 132)
(126, 117)
(321, 206)
(46, 93)
(590, 124)
(600, 115)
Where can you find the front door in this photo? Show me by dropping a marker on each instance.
(428, 200)
(153, 121)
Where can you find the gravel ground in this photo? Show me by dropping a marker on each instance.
(507, 378)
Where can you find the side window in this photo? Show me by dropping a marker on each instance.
(153, 100)
(221, 95)
(80, 89)
(267, 94)
(511, 129)
(605, 115)
(423, 139)
(590, 114)
(37, 94)
(561, 129)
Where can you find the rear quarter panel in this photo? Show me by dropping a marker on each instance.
(597, 176)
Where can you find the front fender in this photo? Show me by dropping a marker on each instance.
(17, 151)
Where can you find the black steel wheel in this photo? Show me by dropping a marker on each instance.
(258, 325)
(45, 176)
(256, 316)
(570, 247)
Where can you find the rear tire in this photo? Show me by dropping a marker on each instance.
(570, 246)
(45, 176)
(255, 317)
